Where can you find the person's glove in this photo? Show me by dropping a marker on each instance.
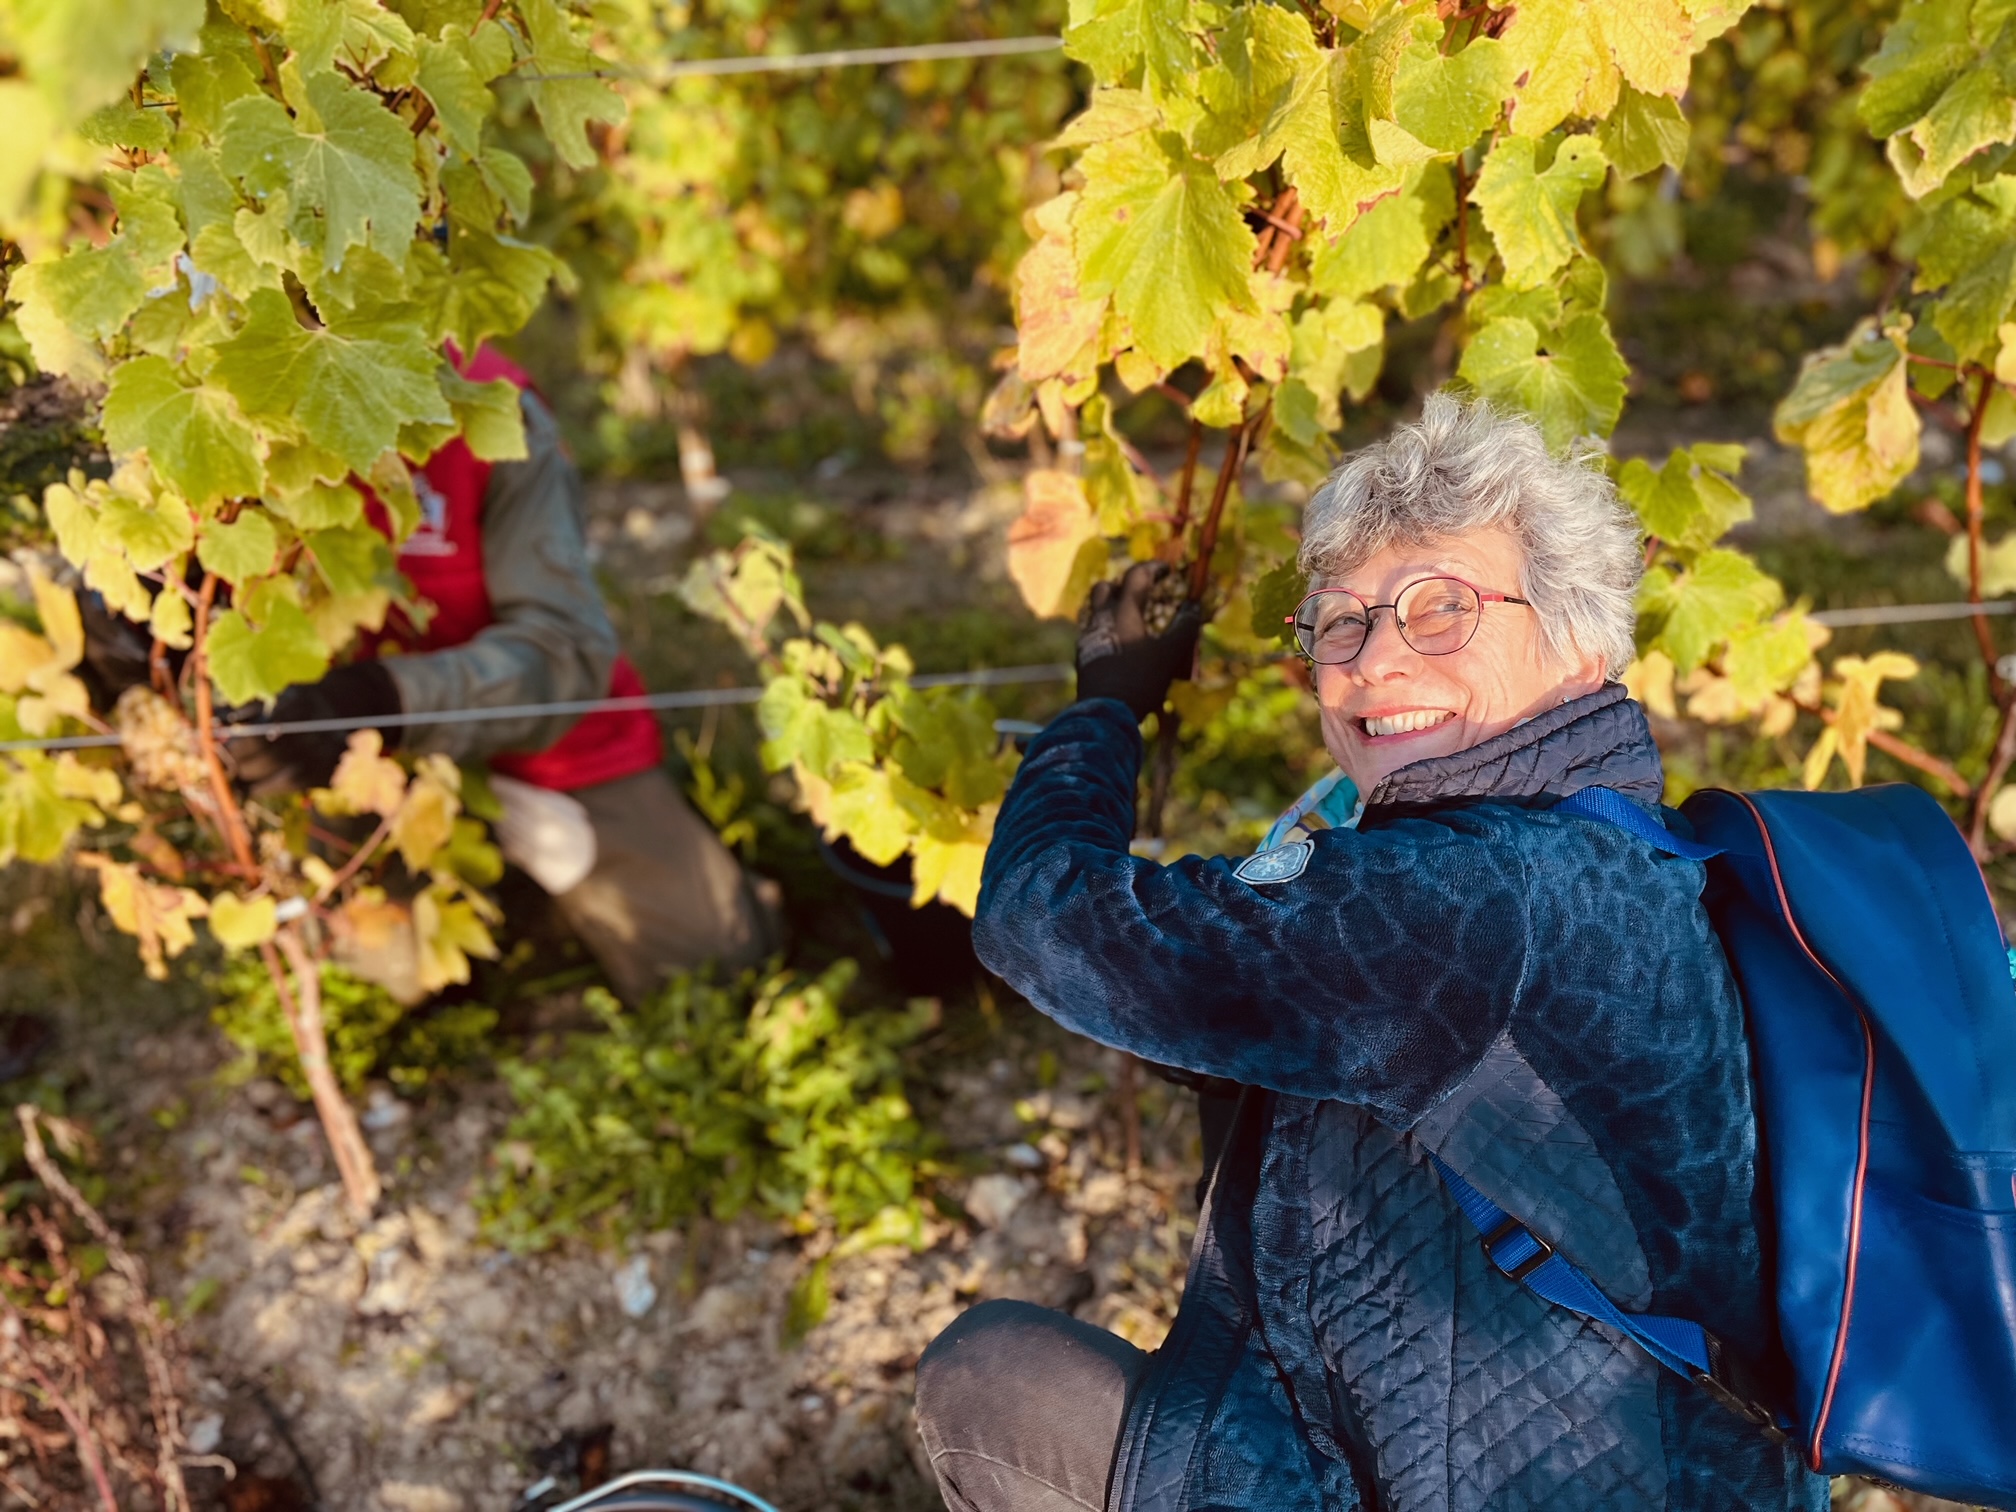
(1118, 657)
(272, 764)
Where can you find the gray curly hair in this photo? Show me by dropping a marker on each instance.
(1465, 466)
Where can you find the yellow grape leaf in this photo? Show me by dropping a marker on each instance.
(92, 784)
(1998, 563)
(366, 782)
(1649, 679)
(1058, 330)
(949, 869)
(62, 625)
(863, 809)
(1652, 41)
(1054, 546)
(426, 819)
(2002, 814)
(448, 931)
(240, 923)
(62, 697)
(1858, 713)
(25, 658)
(159, 915)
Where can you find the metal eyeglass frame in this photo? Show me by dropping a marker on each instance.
(1484, 596)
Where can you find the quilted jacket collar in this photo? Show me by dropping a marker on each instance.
(1598, 740)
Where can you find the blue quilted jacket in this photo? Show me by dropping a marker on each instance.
(1536, 998)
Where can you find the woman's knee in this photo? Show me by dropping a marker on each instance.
(1013, 1384)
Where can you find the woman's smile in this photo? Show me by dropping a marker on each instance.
(1392, 726)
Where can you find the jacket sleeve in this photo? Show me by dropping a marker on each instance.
(1379, 976)
(551, 641)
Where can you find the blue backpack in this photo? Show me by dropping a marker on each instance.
(1882, 1021)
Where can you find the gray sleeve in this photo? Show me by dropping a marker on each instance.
(552, 641)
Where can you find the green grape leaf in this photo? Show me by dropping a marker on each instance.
(1326, 338)
(36, 819)
(1976, 110)
(1156, 229)
(1531, 213)
(491, 416)
(193, 436)
(1685, 503)
(1766, 658)
(1114, 37)
(150, 537)
(205, 83)
(802, 730)
(67, 305)
(461, 98)
(353, 560)
(1387, 243)
(1924, 50)
(124, 124)
(250, 662)
(82, 53)
(218, 252)
(1644, 132)
(1572, 384)
(1969, 254)
(1722, 592)
(1851, 413)
(566, 106)
(494, 285)
(241, 550)
(1111, 113)
(1447, 100)
(349, 395)
(349, 174)
(240, 923)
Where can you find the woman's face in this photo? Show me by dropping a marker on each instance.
(1392, 705)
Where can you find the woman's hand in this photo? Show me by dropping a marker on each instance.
(1119, 657)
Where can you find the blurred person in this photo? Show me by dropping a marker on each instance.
(500, 553)
(1452, 973)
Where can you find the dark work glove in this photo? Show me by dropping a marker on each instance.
(1119, 658)
(273, 764)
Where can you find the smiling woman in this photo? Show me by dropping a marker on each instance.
(1462, 534)
(1462, 971)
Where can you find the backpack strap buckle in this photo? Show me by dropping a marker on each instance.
(1508, 1234)
(1730, 1383)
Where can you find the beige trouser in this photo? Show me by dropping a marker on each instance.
(665, 895)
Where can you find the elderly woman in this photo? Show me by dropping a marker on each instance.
(1535, 998)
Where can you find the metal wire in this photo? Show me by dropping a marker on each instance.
(693, 698)
(851, 57)
(1908, 614)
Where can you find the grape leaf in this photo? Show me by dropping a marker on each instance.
(250, 662)
(204, 84)
(566, 106)
(1326, 338)
(193, 436)
(1683, 503)
(494, 285)
(1851, 413)
(149, 536)
(1722, 592)
(241, 550)
(1978, 109)
(866, 812)
(1531, 213)
(1386, 244)
(1555, 47)
(66, 305)
(1573, 388)
(1447, 100)
(1644, 132)
(1924, 50)
(1113, 37)
(1054, 549)
(317, 505)
(949, 870)
(1969, 253)
(348, 394)
(82, 53)
(1767, 658)
(1652, 42)
(1156, 229)
(1057, 328)
(240, 923)
(490, 416)
(803, 731)
(449, 78)
(347, 160)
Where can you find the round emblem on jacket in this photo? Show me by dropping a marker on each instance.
(1284, 863)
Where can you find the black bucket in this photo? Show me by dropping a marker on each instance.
(929, 949)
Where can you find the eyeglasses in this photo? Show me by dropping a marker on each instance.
(1434, 616)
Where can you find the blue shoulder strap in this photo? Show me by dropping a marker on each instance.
(1683, 1347)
